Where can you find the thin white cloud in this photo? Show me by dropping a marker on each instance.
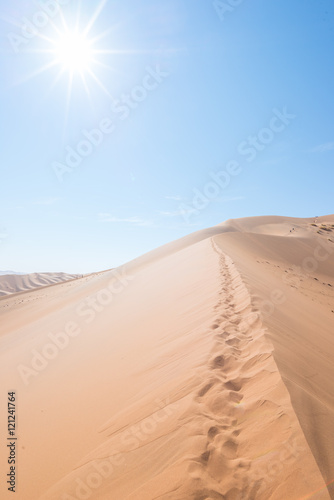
(323, 148)
(136, 221)
(104, 215)
(178, 213)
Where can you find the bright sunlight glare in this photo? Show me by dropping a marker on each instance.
(73, 51)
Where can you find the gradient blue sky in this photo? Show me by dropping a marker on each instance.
(226, 75)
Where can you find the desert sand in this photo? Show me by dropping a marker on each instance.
(14, 283)
(202, 370)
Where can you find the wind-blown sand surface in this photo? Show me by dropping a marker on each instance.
(14, 283)
(202, 370)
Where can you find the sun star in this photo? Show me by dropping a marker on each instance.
(73, 52)
(77, 53)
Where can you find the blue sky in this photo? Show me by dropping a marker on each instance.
(186, 92)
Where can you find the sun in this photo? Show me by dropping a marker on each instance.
(70, 47)
(73, 52)
(76, 52)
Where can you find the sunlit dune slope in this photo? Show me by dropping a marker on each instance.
(202, 370)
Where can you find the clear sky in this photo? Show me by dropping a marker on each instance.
(128, 124)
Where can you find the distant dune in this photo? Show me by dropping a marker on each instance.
(18, 282)
(200, 371)
(9, 272)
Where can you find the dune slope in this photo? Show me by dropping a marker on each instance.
(14, 283)
(201, 371)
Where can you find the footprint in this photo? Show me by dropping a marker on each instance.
(231, 329)
(234, 341)
(205, 389)
(208, 495)
(195, 470)
(218, 362)
(235, 494)
(212, 432)
(236, 352)
(229, 449)
(234, 385)
(235, 396)
(244, 464)
(205, 457)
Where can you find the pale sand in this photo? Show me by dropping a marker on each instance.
(15, 283)
(207, 372)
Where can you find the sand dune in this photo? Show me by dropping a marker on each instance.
(14, 283)
(202, 370)
(10, 272)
